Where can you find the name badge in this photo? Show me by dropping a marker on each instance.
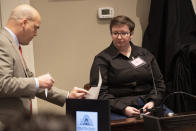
(137, 62)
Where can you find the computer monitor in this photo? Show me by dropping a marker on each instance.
(89, 114)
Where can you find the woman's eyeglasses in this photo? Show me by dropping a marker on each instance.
(122, 34)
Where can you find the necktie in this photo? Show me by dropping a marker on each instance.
(20, 49)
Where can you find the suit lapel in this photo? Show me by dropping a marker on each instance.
(12, 42)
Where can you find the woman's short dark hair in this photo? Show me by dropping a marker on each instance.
(122, 20)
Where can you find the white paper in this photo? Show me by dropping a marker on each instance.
(138, 61)
(94, 91)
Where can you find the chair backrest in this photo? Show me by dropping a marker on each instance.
(87, 86)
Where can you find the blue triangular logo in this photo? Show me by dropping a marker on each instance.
(86, 121)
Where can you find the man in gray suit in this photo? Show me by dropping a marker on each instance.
(17, 84)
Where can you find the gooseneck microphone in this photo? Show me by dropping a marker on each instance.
(159, 109)
(176, 93)
(154, 85)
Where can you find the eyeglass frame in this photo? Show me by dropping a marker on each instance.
(122, 34)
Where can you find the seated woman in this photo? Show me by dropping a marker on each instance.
(131, 79)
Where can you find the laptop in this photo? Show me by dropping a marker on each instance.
(89, 114)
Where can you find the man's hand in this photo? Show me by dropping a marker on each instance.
(131, 111)
(148, 105)
(45, 81)
(77, 93)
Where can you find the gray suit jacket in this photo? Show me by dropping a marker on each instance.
(17, 85)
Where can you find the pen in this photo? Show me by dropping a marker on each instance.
(46, 92)
(46, 89)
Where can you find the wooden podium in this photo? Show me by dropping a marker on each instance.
(129, 124)
(179, 122)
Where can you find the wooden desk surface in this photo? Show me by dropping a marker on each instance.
(184, 121)
(127, 125)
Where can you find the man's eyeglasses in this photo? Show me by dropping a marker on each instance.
(122, 34)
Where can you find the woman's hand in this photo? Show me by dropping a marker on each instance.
(131, 111)
(148, 105)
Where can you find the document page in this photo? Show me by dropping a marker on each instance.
(94, 91)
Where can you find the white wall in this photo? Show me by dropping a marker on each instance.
(194, 5)
(70, 36)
